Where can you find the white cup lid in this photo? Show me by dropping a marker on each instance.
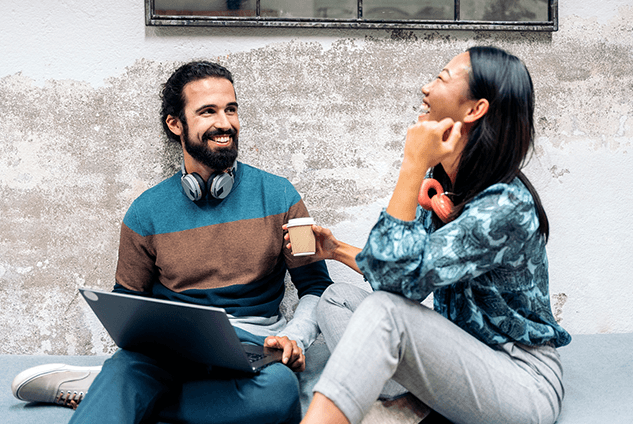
(296, 222)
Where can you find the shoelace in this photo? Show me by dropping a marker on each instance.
(70, 399)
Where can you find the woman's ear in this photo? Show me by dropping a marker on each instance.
(478, 110)
(174, 125)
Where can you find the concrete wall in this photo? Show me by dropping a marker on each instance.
(328, 109)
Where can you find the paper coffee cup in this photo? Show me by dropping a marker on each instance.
(301, 236)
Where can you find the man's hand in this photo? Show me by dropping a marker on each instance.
(292, 357)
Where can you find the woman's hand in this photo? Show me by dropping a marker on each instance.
(329, 247)
(326, 243)
(429, 143)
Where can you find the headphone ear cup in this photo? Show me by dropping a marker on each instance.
(442, 206)
(194, 186)
(438, 203)
(220, 185)
(423, 197)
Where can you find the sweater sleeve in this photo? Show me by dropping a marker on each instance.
(136, 266)
(405, 258)
(303, 327)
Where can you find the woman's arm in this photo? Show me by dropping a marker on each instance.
(329, 247)
(404, 257)
(424, 148)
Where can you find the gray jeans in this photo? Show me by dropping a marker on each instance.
(378, 336)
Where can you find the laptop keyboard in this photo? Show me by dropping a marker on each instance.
(252, 357)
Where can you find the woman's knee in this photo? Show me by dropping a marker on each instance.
(341, 295)
(379, 303)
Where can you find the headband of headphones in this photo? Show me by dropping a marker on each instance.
(218, 185)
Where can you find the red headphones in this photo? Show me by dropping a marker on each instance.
(438, 203)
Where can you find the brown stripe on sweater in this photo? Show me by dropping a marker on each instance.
(225, 254)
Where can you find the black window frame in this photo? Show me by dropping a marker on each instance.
(154, 19)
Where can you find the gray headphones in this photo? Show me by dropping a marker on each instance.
(218, 185)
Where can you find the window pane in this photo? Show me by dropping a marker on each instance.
(504, 10)
(206, 8)
(409, 9)
(330, 9)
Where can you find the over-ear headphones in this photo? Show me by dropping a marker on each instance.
(439, 202)
(218, 185)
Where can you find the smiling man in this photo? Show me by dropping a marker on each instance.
(211, 235)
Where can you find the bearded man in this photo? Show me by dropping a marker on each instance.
(210, 235)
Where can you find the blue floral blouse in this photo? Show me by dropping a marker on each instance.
(487, 269)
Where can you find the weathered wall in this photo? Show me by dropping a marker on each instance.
(81, 138)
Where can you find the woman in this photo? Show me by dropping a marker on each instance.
(487, 353)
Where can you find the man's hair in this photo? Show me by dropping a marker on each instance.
(173, 97)
(499, 142)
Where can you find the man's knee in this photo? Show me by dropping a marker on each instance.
(126, 366)
(279, 399)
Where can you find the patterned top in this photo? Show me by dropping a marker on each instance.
(487, 269)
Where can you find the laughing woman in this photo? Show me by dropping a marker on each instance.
(487, 352)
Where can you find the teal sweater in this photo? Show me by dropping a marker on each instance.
(229, 254)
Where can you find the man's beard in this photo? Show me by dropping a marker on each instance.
(218, 159)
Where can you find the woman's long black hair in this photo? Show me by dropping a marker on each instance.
(499, 142)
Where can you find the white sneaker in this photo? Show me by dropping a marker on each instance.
(54, 383)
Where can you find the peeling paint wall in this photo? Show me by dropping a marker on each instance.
(327, 109)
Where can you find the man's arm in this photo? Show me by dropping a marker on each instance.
(301, 331)
(310, 280)
(303, 327)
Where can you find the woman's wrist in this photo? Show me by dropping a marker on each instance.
(404, 200)
(412, 172)
(346, 254)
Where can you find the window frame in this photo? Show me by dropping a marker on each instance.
(551, 25)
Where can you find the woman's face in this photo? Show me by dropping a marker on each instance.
(448, 96)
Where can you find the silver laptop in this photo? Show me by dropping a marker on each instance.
(201, 334)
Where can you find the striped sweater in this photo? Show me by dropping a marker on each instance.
(229, 254)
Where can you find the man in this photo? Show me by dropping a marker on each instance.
(211, 234)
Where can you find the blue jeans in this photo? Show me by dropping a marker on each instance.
(136, 388)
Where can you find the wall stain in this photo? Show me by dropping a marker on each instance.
(558, 173)
(557, 309)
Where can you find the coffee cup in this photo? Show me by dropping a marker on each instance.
(301, 236)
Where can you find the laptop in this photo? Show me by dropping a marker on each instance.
(201, 334)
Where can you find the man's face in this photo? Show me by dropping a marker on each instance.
(211, 127)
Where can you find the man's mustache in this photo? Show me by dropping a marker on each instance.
(214, 133)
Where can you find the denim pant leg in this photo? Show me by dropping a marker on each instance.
(225, 396)
(449, 370)
(272, 396)
(134, 388)
(334, 312)
(125, 391)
